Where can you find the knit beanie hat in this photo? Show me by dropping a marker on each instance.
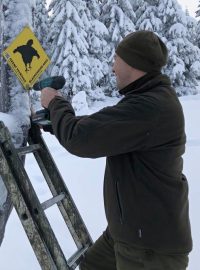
(143, 50)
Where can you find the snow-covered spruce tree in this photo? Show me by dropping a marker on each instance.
(119, 18)
(41, 29)
(14, 100)
(198, 10)
(198, 27)
(187, 12)
(184, 61)
(191, 27)
(168, 20)
(68, 39)
(147, 17)
(98, 48)
(41, 22)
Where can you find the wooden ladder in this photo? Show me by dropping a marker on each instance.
(29, 209)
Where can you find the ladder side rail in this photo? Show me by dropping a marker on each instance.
(32, 202)
(64, 207)
(40, 249)
(57, 185)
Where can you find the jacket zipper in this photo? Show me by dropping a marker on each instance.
(119, 202)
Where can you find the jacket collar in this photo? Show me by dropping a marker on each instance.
(148, 81)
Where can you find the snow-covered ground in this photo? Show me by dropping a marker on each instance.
(84, 178)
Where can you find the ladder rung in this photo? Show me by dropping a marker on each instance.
(28, 149)
(75, 259)
(53, 201)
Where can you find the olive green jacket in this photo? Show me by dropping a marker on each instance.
(143, 138)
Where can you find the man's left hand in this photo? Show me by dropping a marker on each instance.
(47, 94)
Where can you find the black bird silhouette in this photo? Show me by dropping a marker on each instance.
(27, 52)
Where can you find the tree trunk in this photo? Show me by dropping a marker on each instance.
(14, 16)
(3, 85)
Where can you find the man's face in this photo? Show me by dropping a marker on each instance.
(122, 72)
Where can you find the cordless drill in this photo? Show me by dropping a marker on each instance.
(42, 117)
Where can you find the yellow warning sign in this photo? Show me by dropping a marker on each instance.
(27, 58)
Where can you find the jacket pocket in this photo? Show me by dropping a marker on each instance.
(119, 201)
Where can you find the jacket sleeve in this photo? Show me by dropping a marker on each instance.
(111, 131)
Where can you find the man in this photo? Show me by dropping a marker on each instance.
(143, 138)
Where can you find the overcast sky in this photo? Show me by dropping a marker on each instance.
(190, 4)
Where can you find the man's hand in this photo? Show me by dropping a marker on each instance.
(47, 94)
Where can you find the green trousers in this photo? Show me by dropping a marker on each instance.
(107, 255)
